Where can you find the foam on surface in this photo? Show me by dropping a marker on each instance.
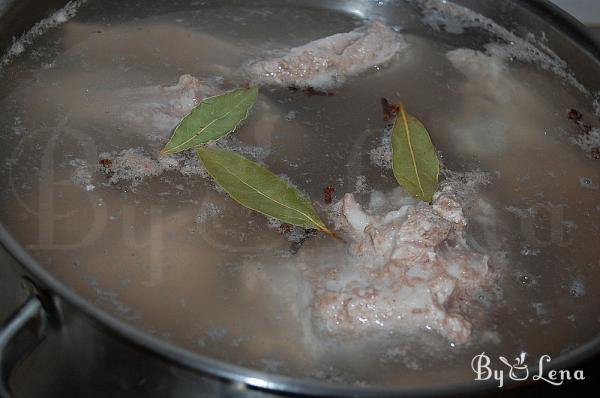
(454, 19)
(588, 141)
(54, 20)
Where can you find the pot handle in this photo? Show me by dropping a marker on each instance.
(19, 335)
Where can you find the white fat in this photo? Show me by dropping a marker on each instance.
(442, 288)
(356, 217)
(396, 214)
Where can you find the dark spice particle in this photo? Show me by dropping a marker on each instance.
(574, 115)
(105, 167)
(390, 110)
(286, 228)
(328, 194)
(595, 153)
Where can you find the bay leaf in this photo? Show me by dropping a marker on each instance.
(212, 119)
(414, 158)
(255, 187)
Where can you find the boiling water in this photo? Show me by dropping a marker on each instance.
(174, 256)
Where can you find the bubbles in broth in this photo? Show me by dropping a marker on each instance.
(152, 240)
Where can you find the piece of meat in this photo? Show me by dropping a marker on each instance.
(398, 307)
(447, 206)
(328, 61)
(423, 227)
(161, 107)
(108, 78)
(405, 269)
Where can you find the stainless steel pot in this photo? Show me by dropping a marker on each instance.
(62, 322)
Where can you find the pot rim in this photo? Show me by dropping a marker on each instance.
(284, 384)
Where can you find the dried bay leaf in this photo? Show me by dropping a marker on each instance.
(414, 159)
(255, 187)
(212, 119)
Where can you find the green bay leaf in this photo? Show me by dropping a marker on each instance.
(255, 187)
(414, 159)
(212, 119)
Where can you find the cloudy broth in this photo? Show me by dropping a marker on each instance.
(171, 254)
